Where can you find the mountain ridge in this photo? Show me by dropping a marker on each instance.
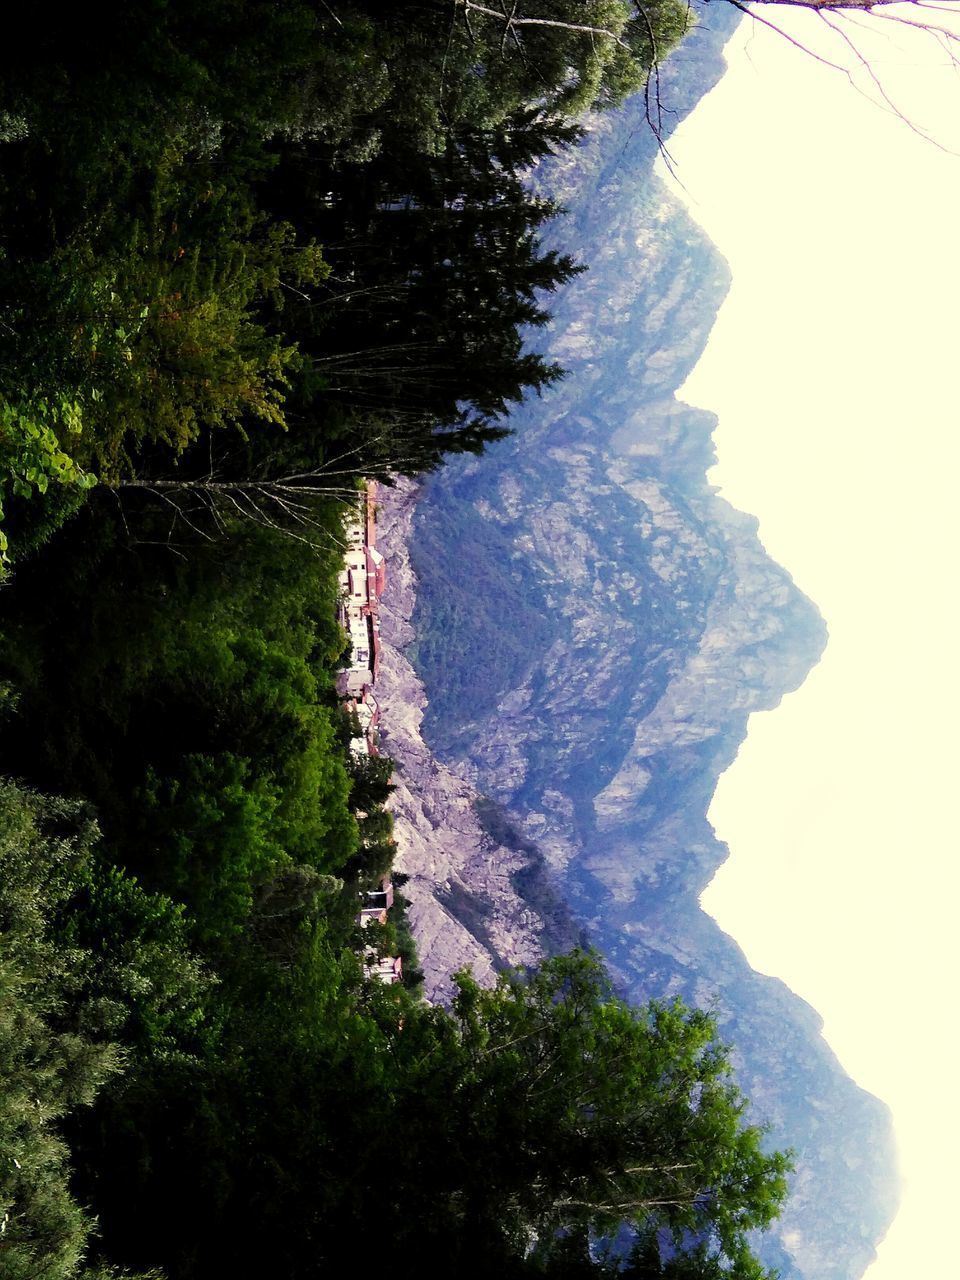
(594, 624)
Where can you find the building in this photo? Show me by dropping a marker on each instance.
(362, 581)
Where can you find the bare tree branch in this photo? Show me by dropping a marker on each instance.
(469, 7)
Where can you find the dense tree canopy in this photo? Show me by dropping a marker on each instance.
(96, 977)
(567, 1113)
(249, 240)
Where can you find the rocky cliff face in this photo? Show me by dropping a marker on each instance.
(594, 625)
(470, 894)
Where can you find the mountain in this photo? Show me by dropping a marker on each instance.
(593, 624)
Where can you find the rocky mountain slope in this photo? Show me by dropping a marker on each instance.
(475, 902)
(593, 625)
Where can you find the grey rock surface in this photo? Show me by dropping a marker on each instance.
(465, 908)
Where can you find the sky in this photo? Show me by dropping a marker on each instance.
(834, 369)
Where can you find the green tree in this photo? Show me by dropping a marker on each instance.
(154, 289)
(145, 324)
(45, 1071)
(370, 782)
(547, 1109)
(588, 55)
(628, 1114)
(95, 980)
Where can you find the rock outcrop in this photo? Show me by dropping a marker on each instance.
(467, 910)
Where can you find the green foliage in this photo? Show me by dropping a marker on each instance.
(213, 826)
(405, 943)
(188, 1042)
(440, 69)
(614, 1114)
(204, 730)
(30, 451)
(95, 977)
(45, 1071)
(169, 181)
(370, 782)
(287, 910)
(544, 1109)
(145, 326)
(150, 988)
(581, 69)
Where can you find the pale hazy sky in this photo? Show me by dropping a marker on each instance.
(834, 368)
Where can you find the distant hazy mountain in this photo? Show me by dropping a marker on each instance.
(594, 625)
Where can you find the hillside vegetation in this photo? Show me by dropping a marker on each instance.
(251, 253)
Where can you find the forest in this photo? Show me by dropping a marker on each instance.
(252, 254)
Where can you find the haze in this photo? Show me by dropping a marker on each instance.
(833, 368)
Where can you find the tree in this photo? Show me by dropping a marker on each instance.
(154, 289)
(660, 28)
(96, 980)
(415, 337)
(370, 783)
(553, 1110)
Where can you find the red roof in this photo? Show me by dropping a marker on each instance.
(376, 573)
(371, 514)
